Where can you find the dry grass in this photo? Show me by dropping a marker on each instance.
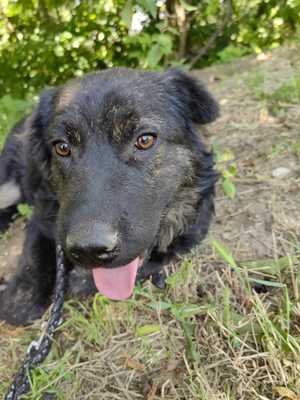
(228, 326)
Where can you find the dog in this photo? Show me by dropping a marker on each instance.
(117, 173)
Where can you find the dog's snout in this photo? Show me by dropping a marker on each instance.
(92, 244)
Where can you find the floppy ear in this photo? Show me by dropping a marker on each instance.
(38, 149)
(198, 103)
(43, 112)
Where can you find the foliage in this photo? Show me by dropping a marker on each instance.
(288, 92)
(46, 42)
(24, 210)
(10, 111)
(228, 171)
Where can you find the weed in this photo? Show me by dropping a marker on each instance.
(25, 210)
(231, 53)
(228, 170)
(288, 92)
(255, 83)
(278, 100)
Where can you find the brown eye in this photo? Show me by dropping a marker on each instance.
(62, 149)
(144, 142)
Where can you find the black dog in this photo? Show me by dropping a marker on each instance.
(116, 173)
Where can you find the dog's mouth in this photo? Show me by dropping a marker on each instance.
(117, 283)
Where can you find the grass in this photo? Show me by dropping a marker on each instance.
(227, 169)
(288, 92)
(255, 82)
(279, 99)
(194, 341)
(24, 210)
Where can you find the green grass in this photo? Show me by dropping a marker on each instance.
(226, 165)
(279, 99)
(24, 210)
(289, 92)
(185, 346)
(255, 82)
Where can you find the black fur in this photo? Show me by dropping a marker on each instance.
(154, 203)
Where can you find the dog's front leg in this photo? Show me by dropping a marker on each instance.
(153, 270)
(28, 293)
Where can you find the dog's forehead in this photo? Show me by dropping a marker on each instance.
(113, 88)
(115, 103)
(68, 95)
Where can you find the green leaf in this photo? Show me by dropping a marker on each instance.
(273, 267)
(267, 283)
(224, 155)
(187, 6)
(232, 169)
(147, 329)
(25, 210)
(154, 55)
(182, 311)
(189, 333)
(225, 253)
(181, 275)
(165, 42)
(126, 13)
(229, 188)
(160, 305)
(149, 6)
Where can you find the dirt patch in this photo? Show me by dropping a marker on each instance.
(260, 143)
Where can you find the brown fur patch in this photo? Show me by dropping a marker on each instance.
(24, 135)
(67, 95)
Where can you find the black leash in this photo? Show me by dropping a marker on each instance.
(38, 350)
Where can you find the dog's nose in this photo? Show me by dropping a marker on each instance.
(92, 244)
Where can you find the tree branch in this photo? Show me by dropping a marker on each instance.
(219, 31)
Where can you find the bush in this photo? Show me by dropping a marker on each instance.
(10, 111)
(46, 42)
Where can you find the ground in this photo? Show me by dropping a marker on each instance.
(228, 325)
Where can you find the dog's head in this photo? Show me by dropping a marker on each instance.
(126, 165)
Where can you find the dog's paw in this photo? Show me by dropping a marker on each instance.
(20, 308)
(154, 272)
(159, 280)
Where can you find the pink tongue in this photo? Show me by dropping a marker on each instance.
(117, 283)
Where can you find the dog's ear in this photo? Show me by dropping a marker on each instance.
(199, 105)
(43, 112)
(39, 151)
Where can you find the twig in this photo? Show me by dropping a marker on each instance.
(219, 31)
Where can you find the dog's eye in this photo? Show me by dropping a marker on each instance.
(144, 142)
(62, 149)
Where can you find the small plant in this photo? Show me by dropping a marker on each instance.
(289, 92)
(276, 101)
(25, 210)
(228, 170)
(255, 82)
(231, 53)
